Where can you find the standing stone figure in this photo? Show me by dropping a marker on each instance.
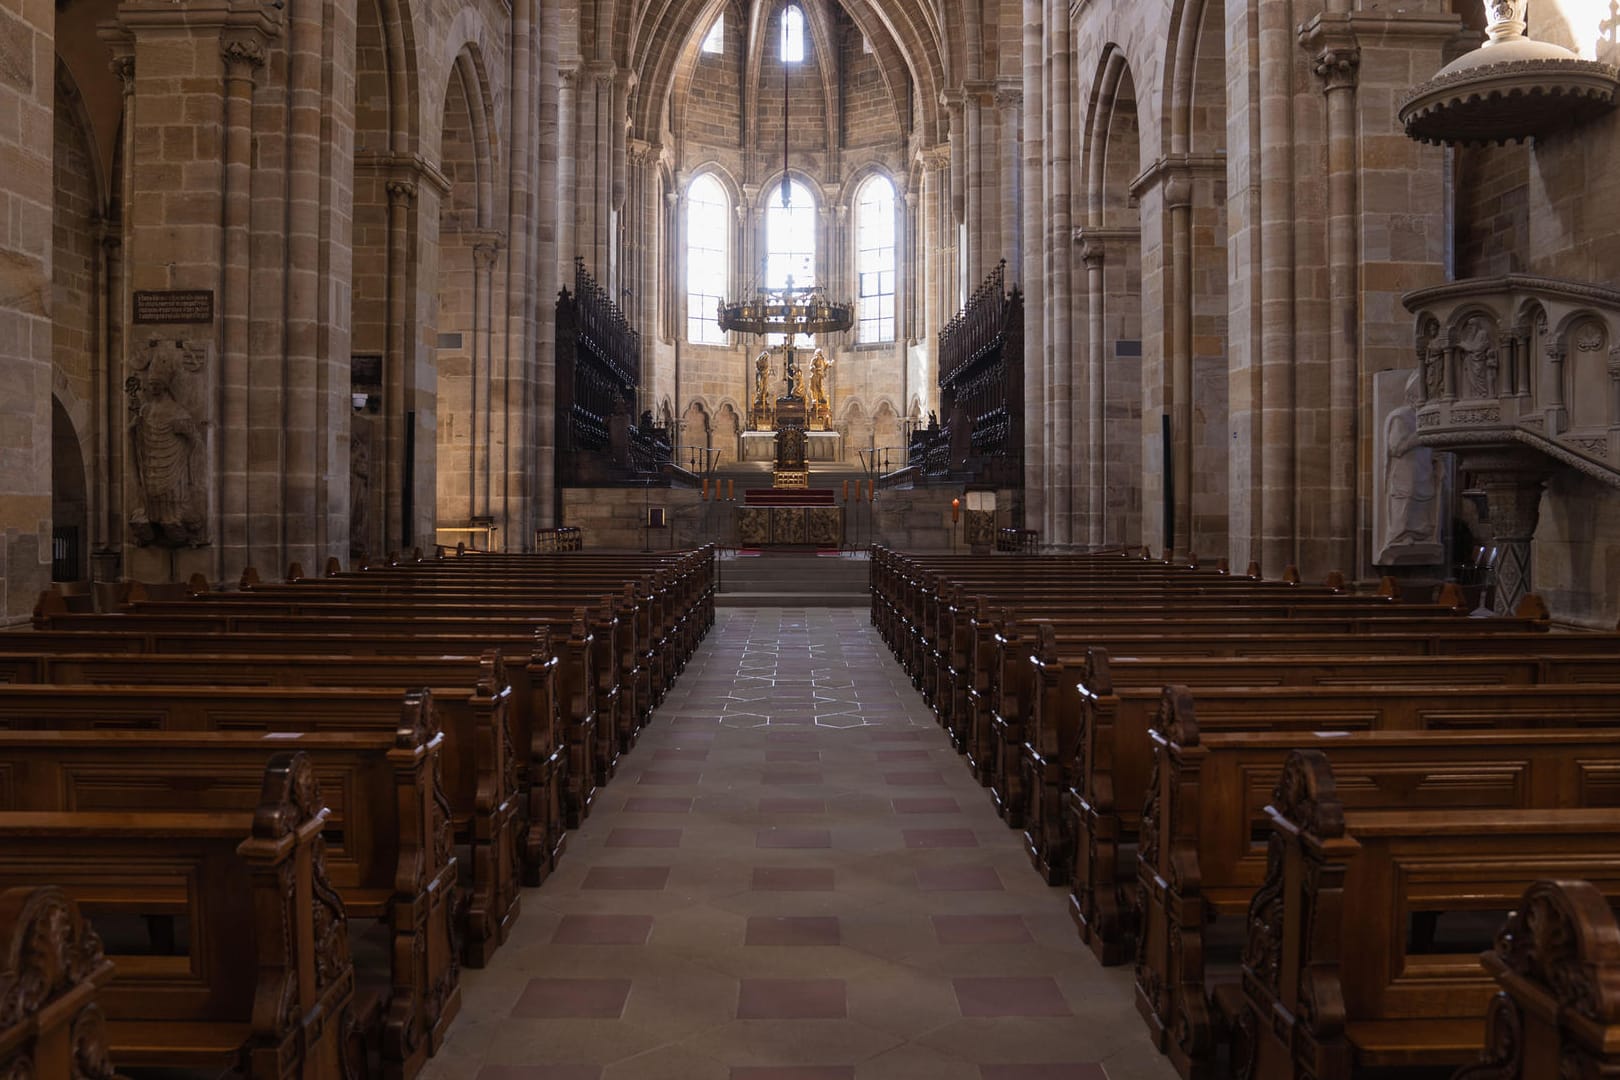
(167, 446)
(1479, 360)
(1410, 489)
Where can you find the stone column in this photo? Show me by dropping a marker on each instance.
(1556, 411)
(1278, 539)
(1092, 254)
(1336, 61)
(1009, 107)
(397, 354)
(1037, 479)
(484, 254)
(1061, 245)
(567, 176)
(244, 56)
(1178, 201)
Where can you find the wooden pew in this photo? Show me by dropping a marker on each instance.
(1115, 753)
(267, 983)
(1197, 857)
(1330, 982)
(389, 849)
(1557, 1012)
(559, 682)
(478, 763)
(50, 1025)
(537, 734)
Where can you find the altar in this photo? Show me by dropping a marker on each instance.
(826, 447)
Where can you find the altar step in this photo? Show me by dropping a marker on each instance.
(787, 579)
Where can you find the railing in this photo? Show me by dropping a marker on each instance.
(1022, 541)
(560, 538)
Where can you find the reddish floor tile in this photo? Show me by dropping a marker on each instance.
(784, 777)
(941, 805)
(626, 878)
(644, 804)
(793, 1072)
(939, 838)
(1010, 996)
(785, 756)
(980, 929)
(793, 838)
(899, 756)
(896, 736)
(680, 755)
(914, 779)
(602, 930)
(791, 737)
(792, 930)
(958, 879)
(791, 999)
(644, 838)
(1077, 1070)
(572, 999)
(795, 879)
(793, 806)
(540, 1072)
(670, 777)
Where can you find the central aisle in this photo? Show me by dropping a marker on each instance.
(795, 876)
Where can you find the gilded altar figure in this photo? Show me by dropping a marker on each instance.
(761, 416)
(820, 406)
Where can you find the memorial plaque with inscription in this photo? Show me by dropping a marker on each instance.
(174, 306)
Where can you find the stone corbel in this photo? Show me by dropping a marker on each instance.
(401, 193)
(1330, 39)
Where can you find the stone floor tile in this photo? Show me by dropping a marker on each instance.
(1010, 996)
(793, 930)
(573, 999)
(791, 999)
(626, 878)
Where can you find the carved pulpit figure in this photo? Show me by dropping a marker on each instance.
(167, 448)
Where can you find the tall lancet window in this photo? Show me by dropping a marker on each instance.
(715, 43)
(792, 35)
(790, 240)
(708, 254)
(874, 259)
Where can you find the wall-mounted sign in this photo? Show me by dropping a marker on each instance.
(174, 306)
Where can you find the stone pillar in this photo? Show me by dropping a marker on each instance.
(1278, 540)
(244, 56)
(516, 512)
(1009, 107)
(1061, 245)
(27, 98)
(397, 355)
(1178, 201)
(567, 176)
(1037, 478)
(1336, 61)
(1092, 254)
(484, 255)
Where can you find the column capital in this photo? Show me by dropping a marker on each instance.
(1010, 97)
(401, 192)
(123, 66)
(243, 53)
(484, 252)
(1337, 67)
(1335, 50)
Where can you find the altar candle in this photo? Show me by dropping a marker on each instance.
(705, 497)
(846, 489)
(956, 510)
(871, 491)
(731, 490)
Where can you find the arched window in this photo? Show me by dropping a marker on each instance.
(790, 240)
(792, 35)
(708, 254)
(715, 43)
(874, 259)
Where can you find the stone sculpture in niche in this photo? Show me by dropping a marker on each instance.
(1411, 531)
(167, 447)
(1477, 343)
(359, 488)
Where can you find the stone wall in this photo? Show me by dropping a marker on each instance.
(27, 89)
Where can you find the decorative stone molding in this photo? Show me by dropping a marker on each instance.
(1509, 88)
(401, 192)
(124, 67)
